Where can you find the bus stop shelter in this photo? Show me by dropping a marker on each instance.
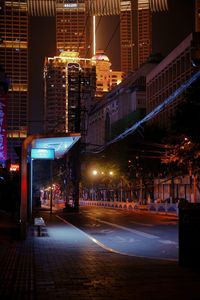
(52, 146)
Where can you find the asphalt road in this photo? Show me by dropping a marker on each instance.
(134, 233)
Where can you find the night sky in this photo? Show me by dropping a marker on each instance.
(169, 29)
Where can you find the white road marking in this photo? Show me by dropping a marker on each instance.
(168, 242)
(142, 224)
(106, 231)
(140, 233)
(93, 225)
(131, 240)
(120, 238)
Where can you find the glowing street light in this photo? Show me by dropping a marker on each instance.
(94, 172)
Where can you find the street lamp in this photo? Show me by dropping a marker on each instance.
(94, 172)
(101, 178)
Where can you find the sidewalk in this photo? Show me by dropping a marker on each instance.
(65, 264)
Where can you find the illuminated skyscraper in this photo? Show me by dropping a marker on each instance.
(74, 23)
(14, 59)
(135, 26)
(135, 34)
(70, 83)
(73, 27)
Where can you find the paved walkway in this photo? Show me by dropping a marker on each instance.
(65, 264)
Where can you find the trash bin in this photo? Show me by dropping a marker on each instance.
(189, 233)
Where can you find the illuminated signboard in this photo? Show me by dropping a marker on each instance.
(14, 167)
(71, 5)
(42, 153)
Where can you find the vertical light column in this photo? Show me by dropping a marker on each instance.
(94, 35)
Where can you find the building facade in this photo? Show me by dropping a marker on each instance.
(135, 34)
(135, 22)
(106, 78)
(74, 27)
(14, 59)
(167, 76)
(4, 85)
(119, 109)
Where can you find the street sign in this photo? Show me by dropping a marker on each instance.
(42, 153)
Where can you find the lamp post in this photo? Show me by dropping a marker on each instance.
(94, 174)
(121, 188)
(111, 174)
(101, 183)
(51, 187)
(51, 200)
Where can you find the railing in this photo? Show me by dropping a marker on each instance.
(163, 208)
(166, 208)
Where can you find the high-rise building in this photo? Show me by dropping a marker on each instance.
(14, 59)
(74, 23)
(135, 33)
(135, 22)
(73, 27)
(70, 83)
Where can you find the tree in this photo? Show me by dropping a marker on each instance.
(184, 137)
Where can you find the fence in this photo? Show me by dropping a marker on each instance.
(166, 208)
